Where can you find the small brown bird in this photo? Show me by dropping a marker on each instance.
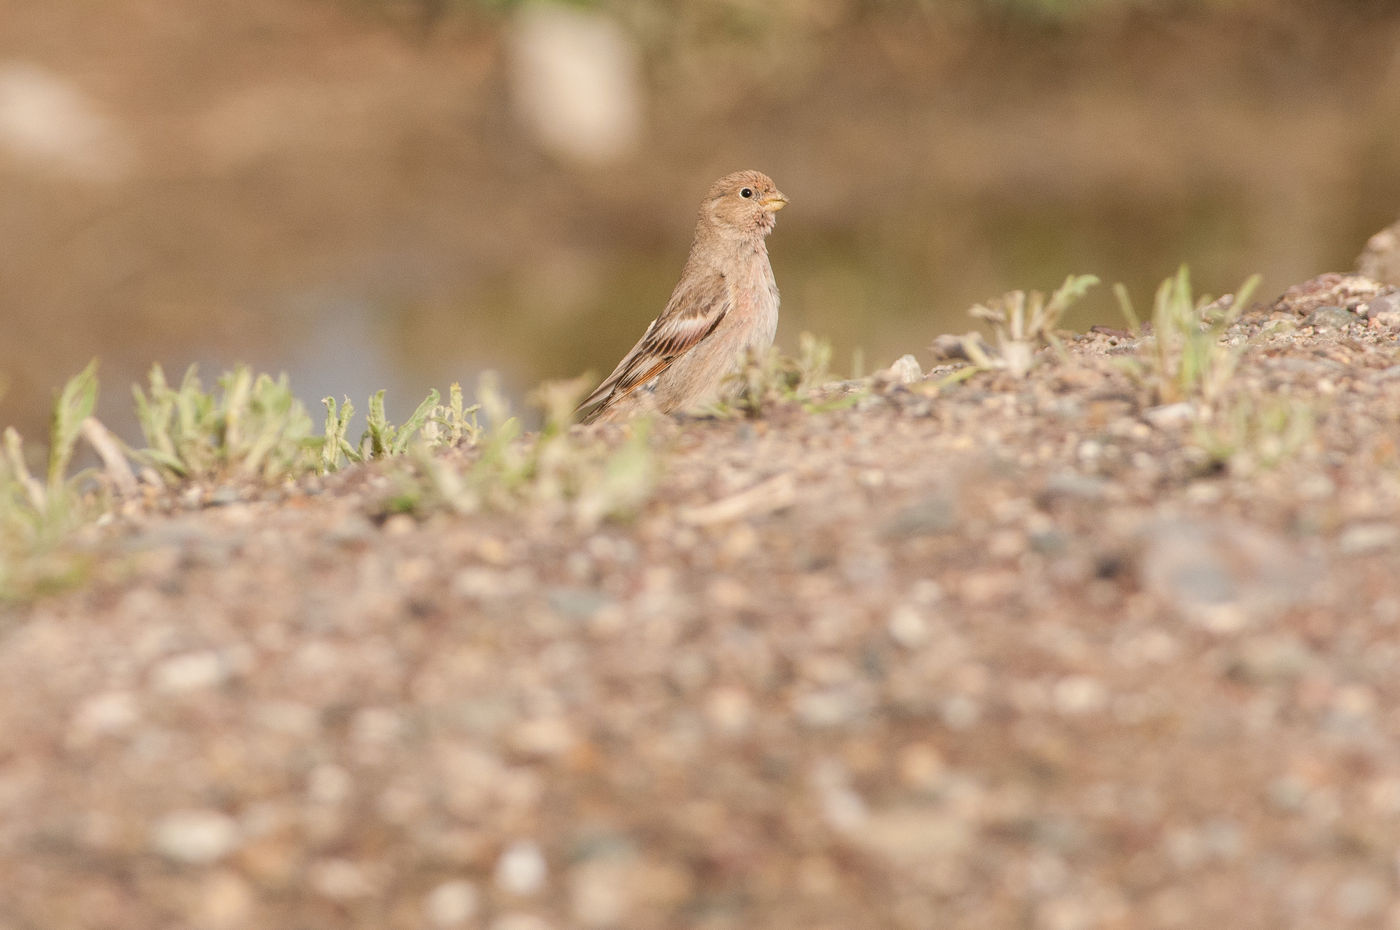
(725, 305)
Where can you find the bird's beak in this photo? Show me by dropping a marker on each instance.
(773, 202)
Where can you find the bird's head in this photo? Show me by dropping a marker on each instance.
(742, 205)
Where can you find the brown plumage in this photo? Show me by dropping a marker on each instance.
(725, 305)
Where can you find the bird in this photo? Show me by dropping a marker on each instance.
(724, 307)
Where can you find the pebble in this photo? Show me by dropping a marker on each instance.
(195, 837)
(908, 627)
(1078, 694)
(1361, 897)
(929, 517)
(452, 903)
(543, 737)
(1329, 318)
(1270, 659)
(521, 870)
(104, 714)
(905, 370)
(1073, 486)
(340, 879)
(829, 707)
(577, 603)
(1361, 538)
(190, 672)
(1170, 416)
(1383, 305)
(1222, 575)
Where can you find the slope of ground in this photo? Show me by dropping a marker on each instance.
(1009, 653)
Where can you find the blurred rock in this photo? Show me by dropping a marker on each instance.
(1380, 260)
(575, 81)
(339, 879)
(196, 837)
(1329, 318)
(1223, 575)
(1347, 291)
(190, 671)
(1361, 538)
(47, 121)
(521, 870)
(905, 370)
(1384, 311)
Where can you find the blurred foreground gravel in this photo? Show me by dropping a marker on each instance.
(1019, 653)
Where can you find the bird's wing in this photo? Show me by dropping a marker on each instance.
(691, 316)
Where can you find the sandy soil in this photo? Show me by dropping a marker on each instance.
(1016, 653)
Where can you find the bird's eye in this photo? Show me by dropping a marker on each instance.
(746, 192)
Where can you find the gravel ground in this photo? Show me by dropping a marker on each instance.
(1016, 653)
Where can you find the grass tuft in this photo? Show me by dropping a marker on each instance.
(253, 428)
(35, 515)
(570, 473)
(1187, 356)
(1021, 324)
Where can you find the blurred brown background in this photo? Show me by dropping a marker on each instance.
(399, 194)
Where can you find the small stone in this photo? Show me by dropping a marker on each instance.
(1361, 897)
(1361, 538)
(1072, 485)
(522, 869)
(908, 627)
(1383, 305)
(1169, 416)
(829, 707)
(929, 517)
(960, 711)
(1223, 575)
(543, 737)
(190, 672)
(377, 726)
(224, 496)
(905, 370)
(1389, 320)
(1270, 659)
(195, 837)
(1328, 318)
(577, 603)
(104, 714)
(339, 879)
(1078, 694)
(948, 348)
(452, 903)
(1288, 792)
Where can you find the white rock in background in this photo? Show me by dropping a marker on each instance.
(521, 870)
(47, 121)
(905, 370)
(197, 837)
(576, 83)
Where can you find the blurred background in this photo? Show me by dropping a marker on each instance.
(401, 193)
